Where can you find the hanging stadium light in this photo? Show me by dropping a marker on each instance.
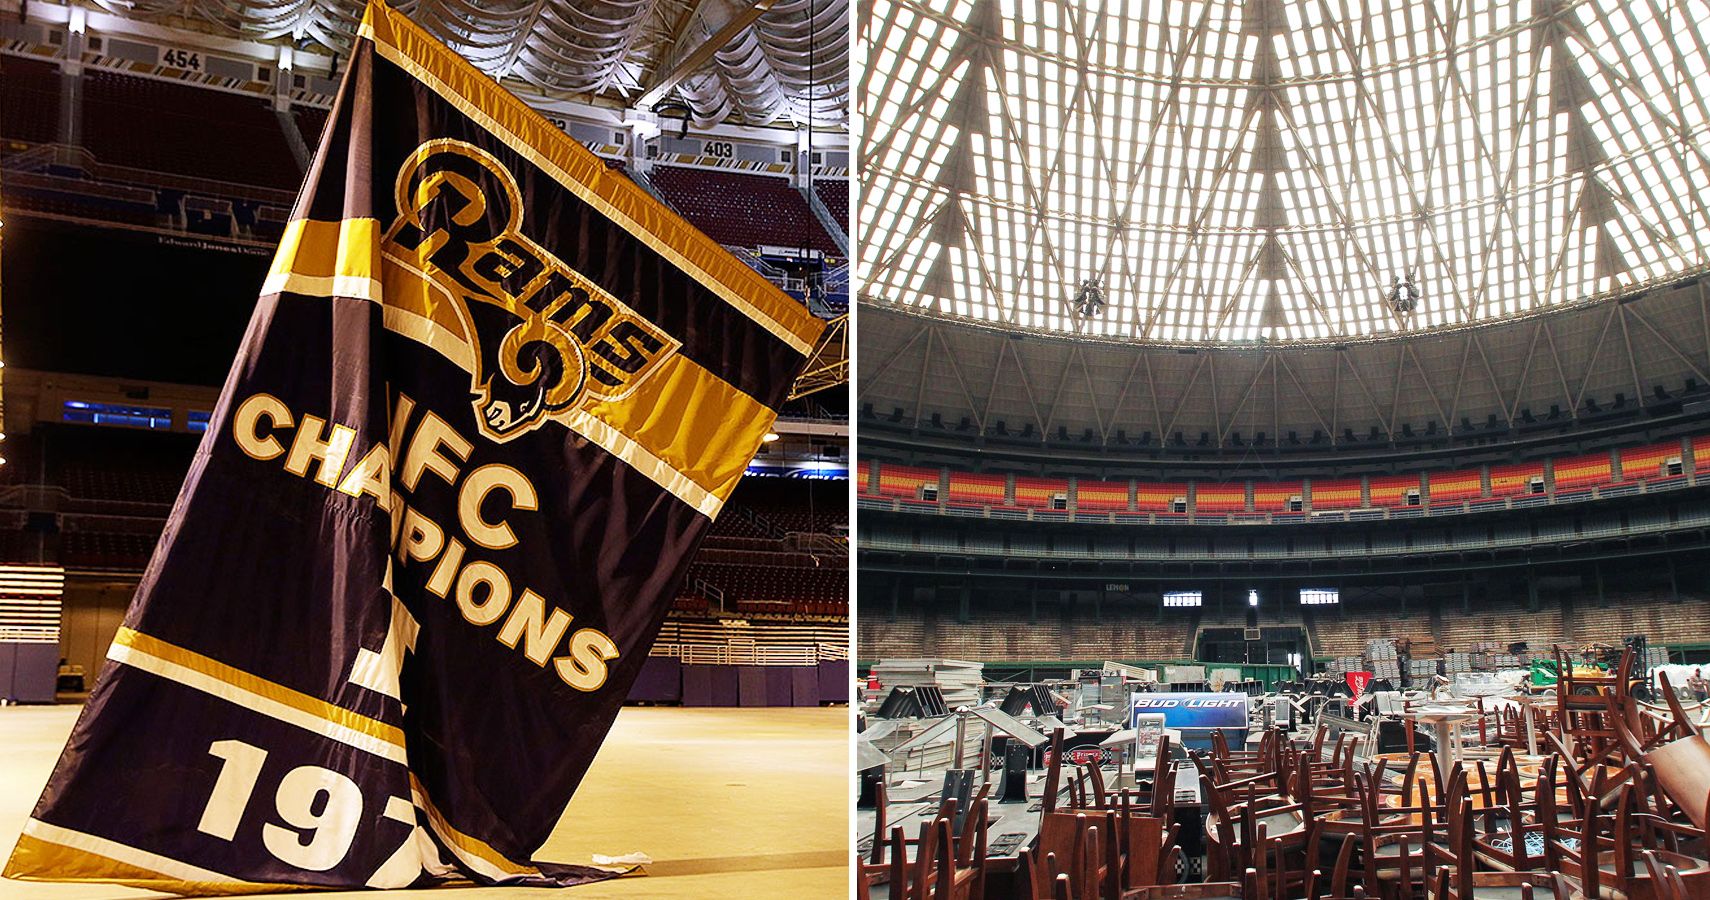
(675, 109)
(1404, 294)
(1089, 300)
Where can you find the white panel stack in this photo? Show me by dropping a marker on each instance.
(959, 680)
(30, 604)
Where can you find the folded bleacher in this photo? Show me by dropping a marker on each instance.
(162, 126)
(1455, 487)
(1650, 462)
(905, 482)
(976, 489)
(742, 210)
(1038, 493)
(1509, 484)
(1515, 480)
(1390, 490)
(1339, 493)
(1220, 498)
(1580, 473)
(835, 195)
(1101, 496)
(1275, 496)
(29, 100)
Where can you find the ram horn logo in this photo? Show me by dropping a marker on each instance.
(539, 339)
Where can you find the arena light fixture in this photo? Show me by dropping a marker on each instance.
(1403, 294)
(1252, 598)
(770, 437)
(1089, 300)
(675, 109)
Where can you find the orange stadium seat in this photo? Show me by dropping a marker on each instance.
(1509, 481)
(978, 489)
(1101, 495)
(1581, 472)
(862, 473)
(1453, 487)
(1156, 498)
(1391, 490)
(1328, 494)
(1036, 493)
(1644, 463)
(905, 481)
(1701, 453)
(1220, 498)
(1274, 496)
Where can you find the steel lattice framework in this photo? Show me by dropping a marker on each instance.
(778, 62)
(1264, 170)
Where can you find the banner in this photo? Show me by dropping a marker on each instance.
(491, 398)
(1209, 709)
(1358, 683)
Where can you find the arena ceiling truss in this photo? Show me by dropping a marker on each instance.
(1279, 170)
(778, 63)
(913, 367)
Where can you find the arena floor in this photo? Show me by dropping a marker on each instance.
(727, 802)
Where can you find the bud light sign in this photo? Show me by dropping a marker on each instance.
(1192, 710)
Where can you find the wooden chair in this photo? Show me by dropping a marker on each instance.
(1510, 838)
(1669, 885)
(1584, 712)
(1209, 890)
(1336, 888)
(1454, 855)
(1392, 849)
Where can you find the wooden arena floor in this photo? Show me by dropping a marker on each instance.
(749, 803)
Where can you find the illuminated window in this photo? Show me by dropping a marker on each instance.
(1320, 596)
(1232, 180)
(1184, 598)
(152, 417)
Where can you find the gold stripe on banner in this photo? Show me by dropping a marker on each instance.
(326, 259)
(681, 411)
(406, 45)
(475, 853)
(671, 428)
(67, 855)
(193, 670)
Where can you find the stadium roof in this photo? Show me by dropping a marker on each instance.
(1265, 170)
(750, 62)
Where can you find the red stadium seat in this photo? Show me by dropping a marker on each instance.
(742, 210)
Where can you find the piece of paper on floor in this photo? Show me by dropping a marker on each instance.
(636, 858)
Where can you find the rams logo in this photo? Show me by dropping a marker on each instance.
(539, 338)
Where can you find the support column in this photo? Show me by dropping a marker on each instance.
(71, 82)
(962, 609)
